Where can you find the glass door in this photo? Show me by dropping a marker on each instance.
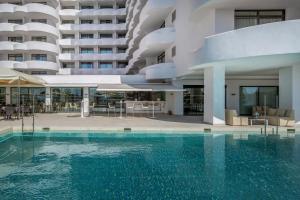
(256, 96)
(193, 99)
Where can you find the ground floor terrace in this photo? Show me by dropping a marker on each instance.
(207, 96)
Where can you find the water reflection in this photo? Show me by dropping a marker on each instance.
(158, 167)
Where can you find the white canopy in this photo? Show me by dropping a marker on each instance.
(138, 88)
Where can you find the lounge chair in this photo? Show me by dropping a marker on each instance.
(232, 119)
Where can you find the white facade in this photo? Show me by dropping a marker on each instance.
(211, 44)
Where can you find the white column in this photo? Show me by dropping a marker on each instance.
(7, 96)
(289, 95)
(214, 95)
(86, 102)
(48, 102)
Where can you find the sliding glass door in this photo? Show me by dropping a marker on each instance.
(193, 99)
(256, 96)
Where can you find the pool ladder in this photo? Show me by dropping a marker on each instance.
(33, 122)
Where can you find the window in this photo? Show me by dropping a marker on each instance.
(122, 49)
(106, 6)
(67, 50)
(68, 22)
(86, 65)
(15, 21)
(15, 57)
(121, 35)
(17, 3)
(68, 65)
(86, 50)
(27, 96)
(39, 38)
(39, 57)
(122, 64)
(121, 6)
(163, 25)
(61, 96)
(44, 21)
(15, 39)
(105, 21)
(173, 51)
(121, 21)
(173, 16)
(256, 96)
(2, 96)
(86, 21)
(105, 51)
(105, 65)
(68, 36)
(82, 7)
(38, 72)
(246, 18)
(105, 35)
(86, 36)
(68, 7)
(161, 58)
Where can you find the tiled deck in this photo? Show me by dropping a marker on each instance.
(64, 121)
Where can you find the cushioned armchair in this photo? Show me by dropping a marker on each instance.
(232, 119)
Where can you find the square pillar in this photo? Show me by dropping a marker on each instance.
(214, 95)
(289, 95)
(48, 102)
(86, 102)
(7, 96)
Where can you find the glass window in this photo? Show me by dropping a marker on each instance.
(66, 99)
(26, 97)
(246, 18)
(15, 21)
(38, 72)
(105, 51)
(173, 51)
(173, 16)
(68, 22)
(122, 49)
(86, 50)
(86, 7)
(67, 50)
(44, 21)
(121, 21)
(68, 36)
(105, 35)
(86, 65)
(105, 21)
(121, 35)
(15, 57)
(2, 96)
(105, 65)
(39, 38)
(161, 58)
(86, 36)
(40, 57)
(68, 65)
(122, 64)
(101, 6)
(86, 21)
(256, 96)
(15, 39)
(193, 100)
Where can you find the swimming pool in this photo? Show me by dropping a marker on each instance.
(148, 166)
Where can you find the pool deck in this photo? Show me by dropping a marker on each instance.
(73, 121)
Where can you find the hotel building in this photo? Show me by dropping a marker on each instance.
(197, 57)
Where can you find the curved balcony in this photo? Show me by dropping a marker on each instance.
(72, 13)
(31, 65)
(153, 44)
(31, 9)
(159, 71)
(30, 46)
(152, 15)
(92, 56)
(91, 27)
(44, 29)
(253, 48)
(91, 42)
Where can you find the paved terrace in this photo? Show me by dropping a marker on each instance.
(64, 121)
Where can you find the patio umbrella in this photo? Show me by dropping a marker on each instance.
(11, 77)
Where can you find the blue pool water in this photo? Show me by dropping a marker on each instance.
(153, 166)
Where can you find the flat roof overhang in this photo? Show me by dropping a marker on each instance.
(138, 88)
